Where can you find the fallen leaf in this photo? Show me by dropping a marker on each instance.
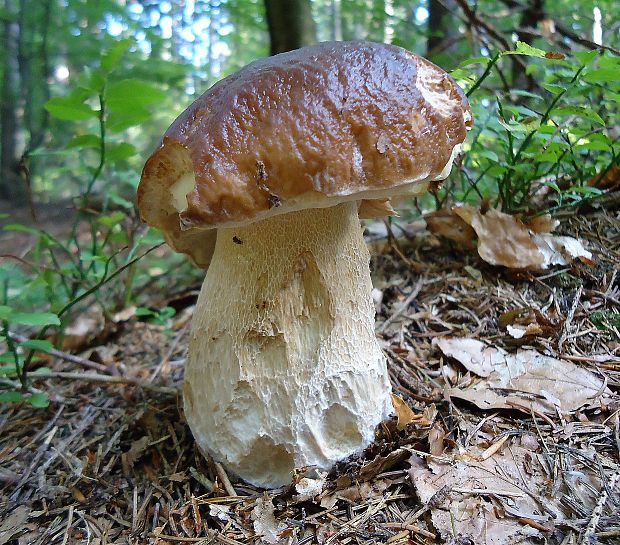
(505, 240)
(356, 493)
(13, 524)
(307, 488)
(444, 222)
(526, 322)
(220, 512)
(607, 180)
(265, 524)
(137, 449)
(404, 414)
(381, 464)
(526, 380)
(485, 499)
(436, 436)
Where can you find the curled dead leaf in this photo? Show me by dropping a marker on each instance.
(446, 223)
(376, 208)
(505, 240)
(404, 414)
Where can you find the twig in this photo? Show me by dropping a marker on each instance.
(583, 41)
(414, 293)
(225, 480)
(477, 22)
(411, 528)
(94, 377)
(590, 531)
(69, 523)
(66, 356)
(569, 318)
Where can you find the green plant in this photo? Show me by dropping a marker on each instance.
(105, 240)
(539, 150)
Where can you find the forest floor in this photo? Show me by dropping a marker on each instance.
(470, 459)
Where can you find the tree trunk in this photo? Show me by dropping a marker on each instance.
(443, 31)
(290, 24)
(11, 185)
(336, 20)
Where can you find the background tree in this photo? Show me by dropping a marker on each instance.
(290, 24)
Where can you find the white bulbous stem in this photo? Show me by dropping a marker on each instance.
(284, 369)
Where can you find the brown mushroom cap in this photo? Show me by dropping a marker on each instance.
(308, 128)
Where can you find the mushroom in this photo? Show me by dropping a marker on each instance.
(261, 180)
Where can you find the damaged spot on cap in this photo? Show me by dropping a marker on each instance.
(383, 143)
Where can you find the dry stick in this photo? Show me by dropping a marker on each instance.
(590, 531)
(569, 318)
(411, 528)
(66, 356)
(69, 523)
(225, 480)
(414, 293)
(94, 377)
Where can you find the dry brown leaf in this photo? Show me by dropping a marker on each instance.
(137, 449)
(14, 523)
(505, 240)
(526, 380)
(265, 524)
(608, 180)
(381, 464)
(404, 414)
(436, 436)
(444, 222)
(542, 224)
(375, 208)
(524, 322)
(356, 493)
(486, 498)
(84, 329)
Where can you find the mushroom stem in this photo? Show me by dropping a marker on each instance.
(284, 369)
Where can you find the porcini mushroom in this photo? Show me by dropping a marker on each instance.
(261, 179)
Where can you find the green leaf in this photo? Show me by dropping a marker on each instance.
(8, 370)
(34, 318)
(523, 93)
(586, 113)
(488, 154)
(37, 344)
(554, 89)
(602, 75)
(120, 151)
(20, 228)
(111, 219)
(130, 93)
(586, 57)
(68, 109)
(11, 397)
(5, 312)
(496, 170)
(110, 58)
(120, 201)
(473, 60)
(119, 121)
(38, 400)
(8, 357)
(523, 48)
(84, 141)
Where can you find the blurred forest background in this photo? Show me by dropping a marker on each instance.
(88, 88)
(161, 55)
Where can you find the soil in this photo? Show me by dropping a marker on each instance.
(112, 461)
